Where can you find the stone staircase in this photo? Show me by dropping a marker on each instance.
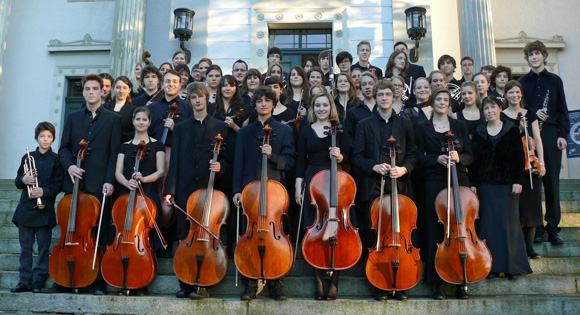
(552, 288)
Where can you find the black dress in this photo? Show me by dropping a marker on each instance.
(471, 124)
(126, 112)
(530, 199)
(429, 147)
(313, 156)
(286, 115)
(146, 167)
(500, 164)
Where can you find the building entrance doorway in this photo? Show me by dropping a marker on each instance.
(299, 44)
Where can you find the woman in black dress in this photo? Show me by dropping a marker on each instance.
(431, 138)
(499, 157)
(530, 198)
(314, 150)
(471, 113)
(421, 111)
(345, 92)
(151, 169)
(297, 95)
(251, 83)
(122, 105)
(281, 113)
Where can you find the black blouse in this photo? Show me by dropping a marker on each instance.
(314, 151)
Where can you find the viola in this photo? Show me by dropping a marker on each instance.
(240, 114)
(394, 264)
(71, 262)
(201, 258)
(167, 213)
(332, 243)
(264, 251)
(533, 165)
(462, 257)
(130, 262)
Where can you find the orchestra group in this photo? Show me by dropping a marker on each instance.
(423, 177)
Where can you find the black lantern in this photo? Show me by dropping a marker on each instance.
(416, 28)
(183, 28)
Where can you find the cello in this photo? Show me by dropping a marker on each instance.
(71, 264)
(394, 264)
(533, 165)
(462, 257)
(332, 243)
(130, 263)
(201, 258)
(264, 251)
(167, 213)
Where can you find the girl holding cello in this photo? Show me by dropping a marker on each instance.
(531, 196)
(151, 170)
(499, 156)
(431, 135)
(314, 154)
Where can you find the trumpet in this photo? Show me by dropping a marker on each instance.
(30, 169)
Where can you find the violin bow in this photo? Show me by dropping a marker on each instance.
(299, 222)
(140, 187)
(99, 229)
(380, 211)
(196, 222)
(237, 234)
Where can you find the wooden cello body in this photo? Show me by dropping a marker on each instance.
(264, 251)
(394, 264)
(200, 258)
(71, 261)
(332, 242)
(130, 262)
(462, 257)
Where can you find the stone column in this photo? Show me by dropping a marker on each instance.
(4, 14)
(476, 32)
(128, 36)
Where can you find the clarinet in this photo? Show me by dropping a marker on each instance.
(544, 108)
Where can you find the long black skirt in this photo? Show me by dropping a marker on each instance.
(500, 227)
(531, 203)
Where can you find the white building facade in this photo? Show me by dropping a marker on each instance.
(47, 45)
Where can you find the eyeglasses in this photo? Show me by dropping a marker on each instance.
(345, 62)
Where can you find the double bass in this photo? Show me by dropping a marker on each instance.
(394, 264)
(462, 257)
(130, 262)
(332, 243)
(264, 251)
(71, 264)
(201, 258)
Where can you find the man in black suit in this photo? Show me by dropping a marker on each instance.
(102, 129)
(371, 156)
(190, 168)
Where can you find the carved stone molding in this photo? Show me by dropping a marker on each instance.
(556, 41)
(85, 44)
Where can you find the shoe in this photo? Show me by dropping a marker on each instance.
(142, 292)
(439, 294)
(382, 295)
(37, 287)
(400, 296)
(277, 294)
(55, 288)
(19, 288)
(100, 292)
(182, 294)
(461, 293)
(555, 239)
(539, 239)
(318, 286)
(512, 276)
(199, 293)
(534, 255)
(249, 293)
(491, 276)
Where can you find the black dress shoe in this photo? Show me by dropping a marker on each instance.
(382, 295)
(461, 293)
(182, 294)
(37, 287)
(55, 288)
(539, 239)
(99, 292)
(534, 255)
(555, 239)
(491, 275)
(400, 296)
(20, 288)
(249, 293)
(512, 276)
(199, 293)
(439, 294)
(277, 294)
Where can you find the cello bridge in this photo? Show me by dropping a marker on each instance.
(263, 230)
(70, 244)
(127, 243)
(461, 238)
(202, 240)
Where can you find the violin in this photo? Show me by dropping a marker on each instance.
(332, 243)
(296, 121)
(264, 252)
(394, 264)
(201, 258)
(71, 262)
(533, 165)
(130, 262)
(240, 114)
(167, 213)
(462, 257)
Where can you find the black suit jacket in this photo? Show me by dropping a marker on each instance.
(189, 164)
(104, 139)
(368, 149)
(415, 71)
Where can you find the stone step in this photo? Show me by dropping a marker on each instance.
(544, 266)
(565, 206)
(361, 287)
(168, 304)
(570, 220)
